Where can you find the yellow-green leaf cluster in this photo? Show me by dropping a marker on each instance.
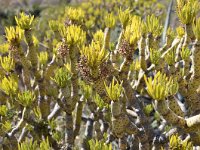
(148, 109)
(99, 37)
(175, 143)
(196, 29)
(170, 57)
(180, 31)
(26, 98)
(153, 26)
(3, 110)
(136, 65)
(170, 33)
(110, 20)
(6, 127)
(124, 17)
(37, 113)
(173, 86)
(74, 35)
(4, 48)
(161, 86)
(185, 53)
(9, 85)
(134, 30)
(35, 41)
(24, 21)
(44, 145)
(99, 101)
(129, 35)
(99, 145)
(89, 23)
(181, 3)
(14, 34)
(28, 144)
(62, 77)
(86, 90)
(155, 56)
(43, 58)
(187, 10)
(68, 67)
(74, 14)
(114, 90)
(95, 54)
(55, 25)
(7, 63)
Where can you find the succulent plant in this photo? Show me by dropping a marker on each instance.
(130, 89)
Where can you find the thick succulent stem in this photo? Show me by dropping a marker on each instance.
(115, 57)
(192, 96)
(169, 115)
(120, 121)
(88, 132)
(107, 32)
(99, 88)
(97, 129)
(32, 53)
(180, 44)
(144, 123)
(142, 54)
(122, 143)
(189, 35)
(69, 139)
(74, 79)
(79, 110)
(174, 106)
(123, 75)
(26, 72)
